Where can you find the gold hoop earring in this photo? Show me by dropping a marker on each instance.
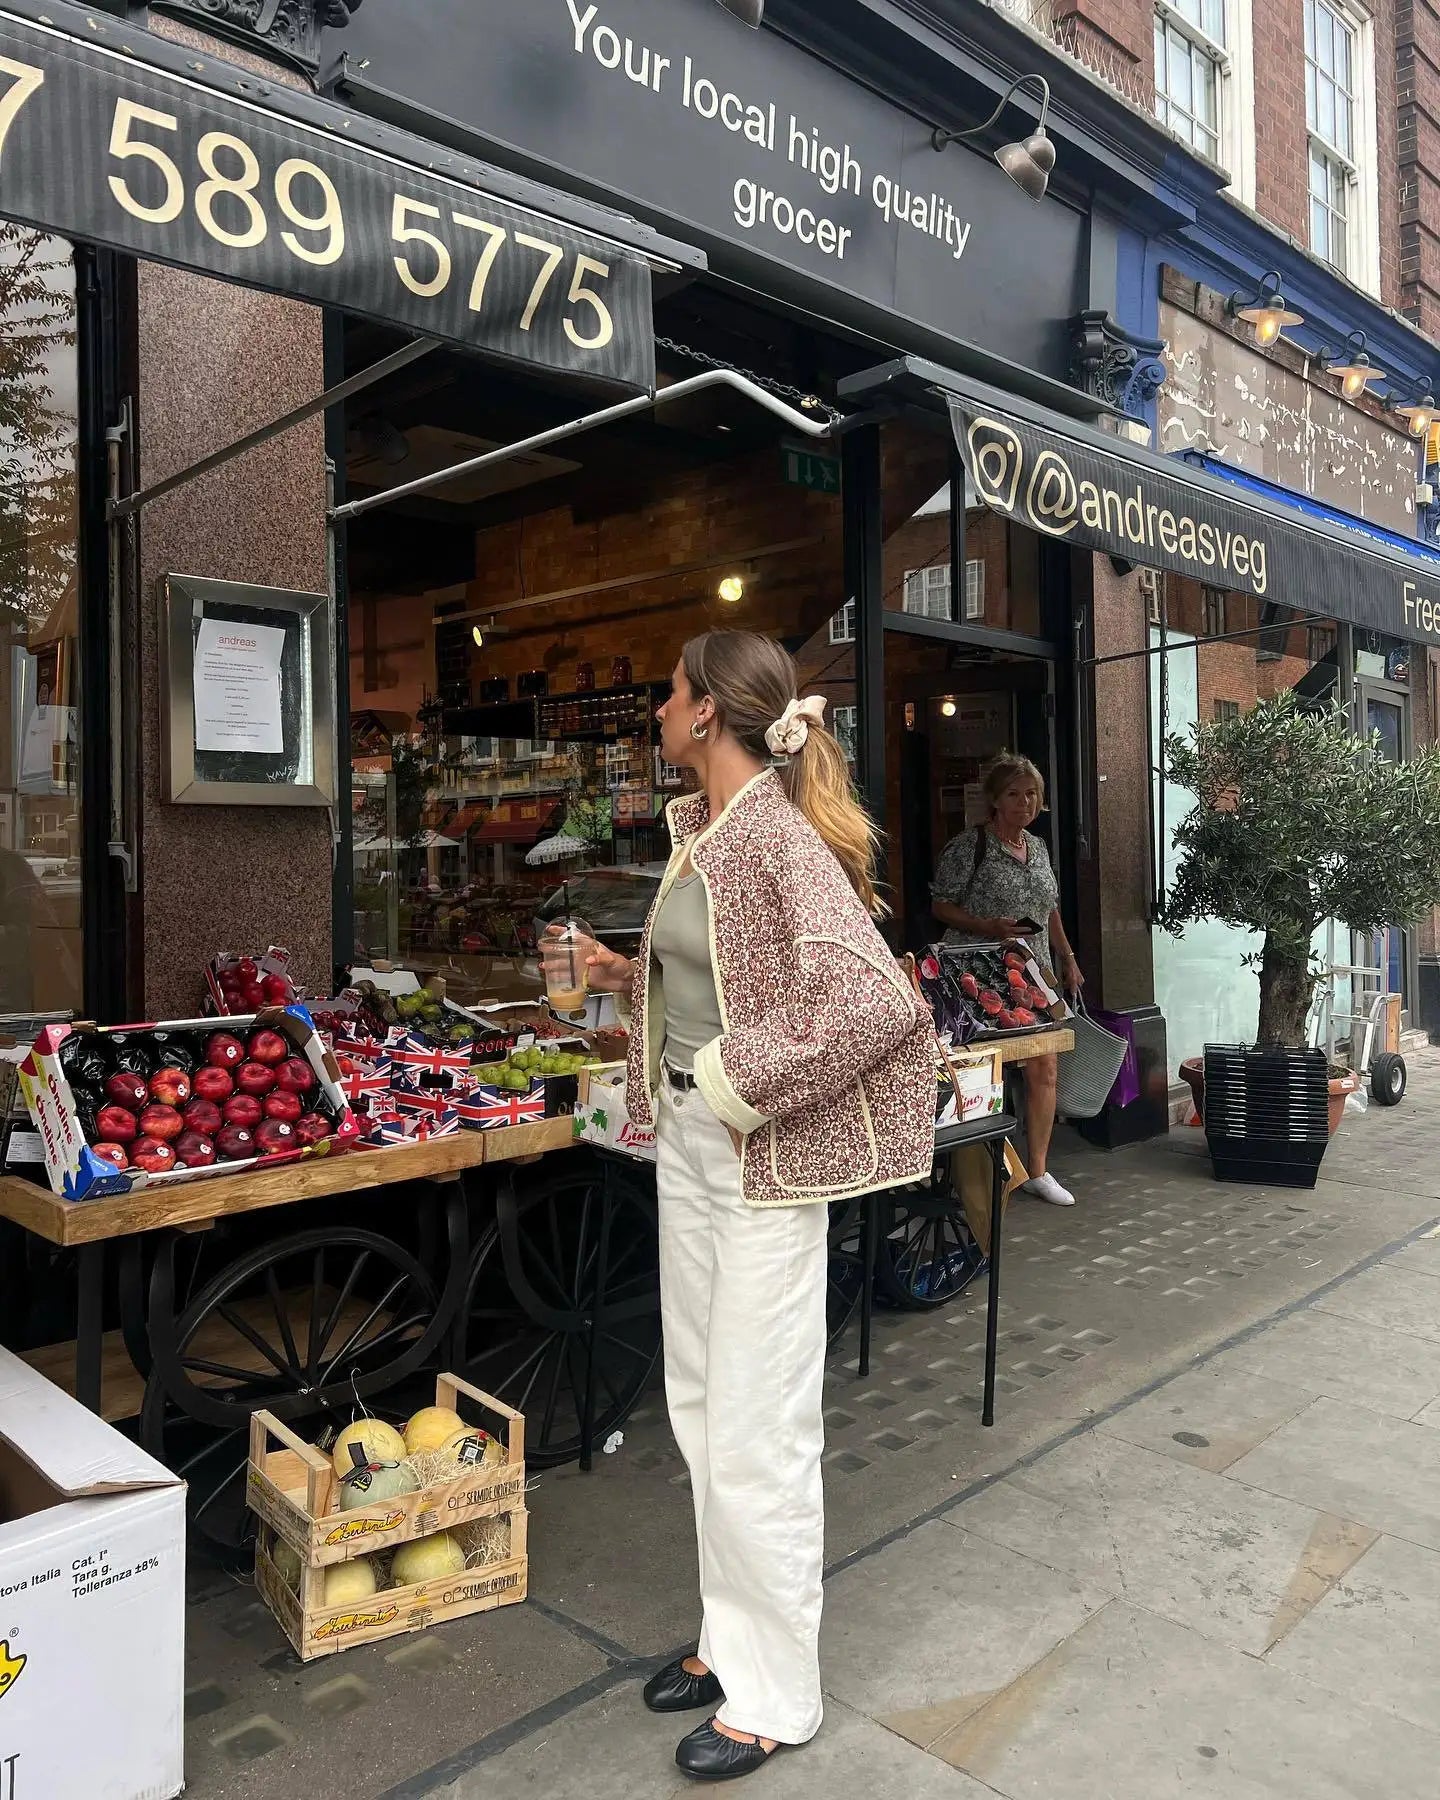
(699, 732)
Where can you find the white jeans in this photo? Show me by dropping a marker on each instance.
(742, 1294)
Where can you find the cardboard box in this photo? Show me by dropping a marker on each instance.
(275, 961)
(92, 1604)
(72, 1166)
(602, 1117)
(979, 1077)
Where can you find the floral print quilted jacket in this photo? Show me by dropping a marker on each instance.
(826, 1063)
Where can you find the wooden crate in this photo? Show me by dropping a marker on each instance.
(316, 1630)
(292, 1489)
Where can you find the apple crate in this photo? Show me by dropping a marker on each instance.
(317, 1630)
(292, 1488)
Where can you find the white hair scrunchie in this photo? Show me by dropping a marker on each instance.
(786, 737)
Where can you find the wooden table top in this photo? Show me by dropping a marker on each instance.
(200, 1203)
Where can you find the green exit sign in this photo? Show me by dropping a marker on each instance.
(803, 468)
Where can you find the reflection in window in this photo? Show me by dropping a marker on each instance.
(975, 588)
(842, 624)
(927, 592)
(40, 914)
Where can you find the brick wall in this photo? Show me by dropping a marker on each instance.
(1417, 95)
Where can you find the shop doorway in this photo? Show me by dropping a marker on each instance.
(1383, 707)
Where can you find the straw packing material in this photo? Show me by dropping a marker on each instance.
(485, 1541)
(452, 1460)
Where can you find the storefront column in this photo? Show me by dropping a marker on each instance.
(864, 583)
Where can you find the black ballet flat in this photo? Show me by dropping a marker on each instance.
(675, 1689)
(708, 1755)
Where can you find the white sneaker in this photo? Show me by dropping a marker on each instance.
(1046, 1187)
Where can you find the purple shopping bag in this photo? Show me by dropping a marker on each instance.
(1127, 1083)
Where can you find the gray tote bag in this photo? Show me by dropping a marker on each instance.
(1087, 1073)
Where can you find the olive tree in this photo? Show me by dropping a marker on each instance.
(1297, 820)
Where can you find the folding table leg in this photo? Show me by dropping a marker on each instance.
(992, 1309)
(869, 1258)
(597, 1313)
(89, 1324)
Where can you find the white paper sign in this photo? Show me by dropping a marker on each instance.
(237, 687)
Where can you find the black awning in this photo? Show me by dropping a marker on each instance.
(108, 137)
(1097, 491)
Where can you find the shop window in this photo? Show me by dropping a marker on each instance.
(842, 624)
(927, 592)
(975, 588)
(1226, 709)
(845, 720)
(1339, 117)
(1212, 611)
(40, 808)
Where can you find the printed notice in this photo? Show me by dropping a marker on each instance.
(237, 687)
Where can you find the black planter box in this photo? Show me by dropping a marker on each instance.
(1266, 1114)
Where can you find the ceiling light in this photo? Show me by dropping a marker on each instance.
(731, 589)
(1029, 162)
(948, 708)
(1352, 365)
(1265, 309)
(478, 633)
(749, 12)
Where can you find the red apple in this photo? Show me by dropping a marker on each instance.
(192, 1151)
(268, 1047)
(153, 1155)
(161, 1122)
(224, 1051)
(279, 990)
(116, 1125)
(203, 1116)
(170, 1086)
(235, 1143)
(275, 1135)
(213, 1083)
(295, 1075)
(254, 1078)
(253, 995)
(283, 1105)
(112, 1153)
(247, 968)
(242, 1109)
(312, 1128)
(127, 1090)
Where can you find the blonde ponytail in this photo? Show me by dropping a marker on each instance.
(752, 679)
(817, 780)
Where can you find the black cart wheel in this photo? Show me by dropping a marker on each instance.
(526, 1315)
(307, 1327)
(1387, 1078)
(845, 1271)
(927, 1255)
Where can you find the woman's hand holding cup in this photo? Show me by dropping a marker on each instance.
(610, 973)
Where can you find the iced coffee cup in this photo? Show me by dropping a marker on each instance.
(565, 952)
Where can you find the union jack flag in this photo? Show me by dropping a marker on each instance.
(492, 1109)
(416, 1056)
(434, 1102)
(372, 1080)
(418, 1130)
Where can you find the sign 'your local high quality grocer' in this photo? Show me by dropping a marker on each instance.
(99, 147)
(750, 145)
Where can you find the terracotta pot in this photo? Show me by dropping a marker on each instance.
(1192, 1071)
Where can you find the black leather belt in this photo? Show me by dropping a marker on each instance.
(680, 1080)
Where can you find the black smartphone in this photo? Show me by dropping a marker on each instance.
(1028, 926)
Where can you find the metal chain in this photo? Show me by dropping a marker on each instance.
(782, 390)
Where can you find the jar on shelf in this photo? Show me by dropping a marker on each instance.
(585, 678)
(620, 673)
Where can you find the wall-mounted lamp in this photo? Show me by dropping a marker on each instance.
(948, 708)
(1027, 163)
(1415, 404)
(1265, 309)
(1352, 365)
(749, 12)
(731, 590)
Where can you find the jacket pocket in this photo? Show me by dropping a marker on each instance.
(829, 1148)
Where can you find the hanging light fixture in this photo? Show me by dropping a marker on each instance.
(1265, 309)
(732, 589)
(749, 12)
(1415, 404)
(1029, 161)
(1352, 365)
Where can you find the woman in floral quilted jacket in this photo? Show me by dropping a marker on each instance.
(785, 1062)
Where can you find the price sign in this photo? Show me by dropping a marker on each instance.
(96, 147)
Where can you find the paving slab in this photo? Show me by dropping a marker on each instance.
(1383, 1371)
(1134, 1707)
(1392, 1298)
(924, 1632)
(1208, 1417)
(1376, 1634)
(1382, 1472)
(612, 1749)
(1231, 1563)
(1422, 1257)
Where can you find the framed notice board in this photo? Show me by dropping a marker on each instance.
(249, 694)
